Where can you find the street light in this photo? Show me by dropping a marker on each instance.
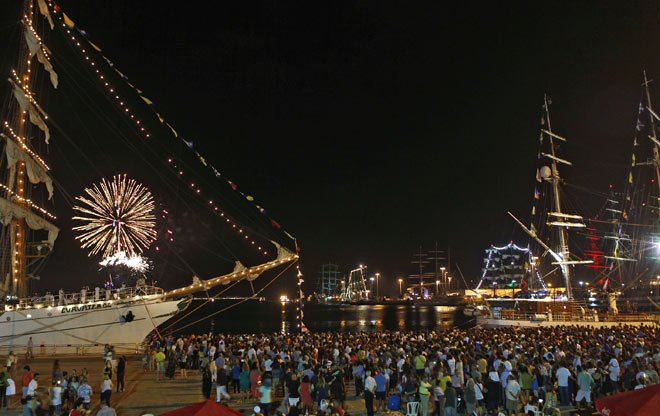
(377, 277)
(444, 282)
(400, 281)
(372, 284)
(437, 282)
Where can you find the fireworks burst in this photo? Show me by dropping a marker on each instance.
(117, 218)
(135, 263)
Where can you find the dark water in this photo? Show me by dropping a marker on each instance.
(268, 317)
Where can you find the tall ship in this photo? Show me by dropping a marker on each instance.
(627, 229)
(549, 257)
(129, 234)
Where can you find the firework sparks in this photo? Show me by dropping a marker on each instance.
(118, 217)
(136, 263)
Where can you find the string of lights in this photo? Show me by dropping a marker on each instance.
(102, 78)
(128, 112)
(25, 147)
(26, 201)
(216, 209)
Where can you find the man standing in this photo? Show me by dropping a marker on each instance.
(381, 390)
(512, 391)
(28, 351)
(613, 369)
(424, 392)
(27, 377)
(420, 363)
(584, 381)
(31, 391)
(121, 369)
(563, 374)
(85, 393)
(369, 391)
(160, 364)
(55, 395)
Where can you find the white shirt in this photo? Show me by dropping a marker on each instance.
(478, 393)
(11, 387)
(613, 368)
(452, 365)
(562, 376)
(512, 390)
(370, 384)
(55, 395)
(32, 387)
(107, 385)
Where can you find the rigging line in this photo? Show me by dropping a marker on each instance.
(198, 307)
(585, 189)
(462, 277)
(144, 301)
(190, 269)
(158, 157)
(170, 184)
(235, 304)
(251, 217)
(624, 224)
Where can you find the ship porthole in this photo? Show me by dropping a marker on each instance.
(8, 318)
(50, 314)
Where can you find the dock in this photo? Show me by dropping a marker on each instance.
(143, 394)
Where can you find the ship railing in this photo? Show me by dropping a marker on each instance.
(71, 350)
(588, 316)
(85, 296)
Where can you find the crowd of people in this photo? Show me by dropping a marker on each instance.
(68, 392)
(443, 372)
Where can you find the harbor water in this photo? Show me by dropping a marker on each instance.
(267, 317)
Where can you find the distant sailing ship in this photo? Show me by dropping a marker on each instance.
(123, 316)
(628, 228)
(549, 231)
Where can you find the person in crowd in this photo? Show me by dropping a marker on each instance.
(121, 372)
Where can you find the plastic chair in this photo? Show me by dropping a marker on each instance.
(534, 409)
(412, 408)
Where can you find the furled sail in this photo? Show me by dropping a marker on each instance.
(39, 49)
(43, 9)
(33, 110)
(10, 210)
(36, 172)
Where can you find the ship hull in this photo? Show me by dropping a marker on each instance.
(489, 322)
(83, 326)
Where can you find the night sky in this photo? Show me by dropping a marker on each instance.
(367, 129)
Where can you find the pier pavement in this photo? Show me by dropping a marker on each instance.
(143, 394)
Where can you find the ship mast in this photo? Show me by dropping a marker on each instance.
(554, 180)
(23, 162)
(18, 228)
(652, 136)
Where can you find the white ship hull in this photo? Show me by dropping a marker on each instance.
(490, 322)
(89, 325)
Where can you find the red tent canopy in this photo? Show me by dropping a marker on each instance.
(642, 402)
(207, 408)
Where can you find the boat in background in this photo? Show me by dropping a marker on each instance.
(548, 306)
